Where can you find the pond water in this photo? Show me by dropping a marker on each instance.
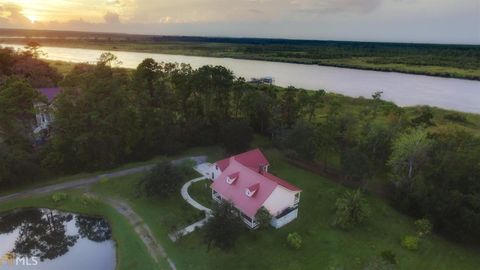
(403, 89)
(44, 239)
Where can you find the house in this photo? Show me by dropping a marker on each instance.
(44, 111)
(244, 181)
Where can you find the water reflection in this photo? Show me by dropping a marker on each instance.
(50, 235)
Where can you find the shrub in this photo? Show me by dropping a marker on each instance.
(423, 227)
(389, 256)
(410, 242)
(294, 240)
(59, 197)
(161, 181)
(223, 228)
(263, 217)
(455, 117)
(351, 210)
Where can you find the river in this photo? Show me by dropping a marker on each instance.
(403, 89)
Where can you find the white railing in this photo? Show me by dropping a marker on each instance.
(284, 220)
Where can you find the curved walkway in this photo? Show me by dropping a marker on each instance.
(189, 199)
(192, 227)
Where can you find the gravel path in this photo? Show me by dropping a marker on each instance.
(72, 184)
(89, 180)
(156, 250)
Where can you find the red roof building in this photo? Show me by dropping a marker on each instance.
(44, 112)
(50, 93)
(244, 181)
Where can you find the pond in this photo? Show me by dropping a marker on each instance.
(44, 239)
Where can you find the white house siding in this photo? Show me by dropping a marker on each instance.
(280, 199)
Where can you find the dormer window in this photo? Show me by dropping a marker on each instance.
(230, 179)
(250, 191)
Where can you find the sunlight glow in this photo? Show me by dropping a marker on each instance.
(32, 18)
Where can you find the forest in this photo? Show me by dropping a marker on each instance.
(426, 161)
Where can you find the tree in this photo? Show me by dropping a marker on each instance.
(263, 217)
(409, 153)
(375, 141)
(258, 107)
(154, 102)
(33, 48)
(310, 102)
(17, 112)
(351, 210)
(449, 189)
(289, 107)
(236, 136)
(377, 101)
(424, 118)
(161, 181)
(96, 125)
(18, 161)
(223, 228)
(212, 89)
(302, 139)
(355, 164)
(108, 59)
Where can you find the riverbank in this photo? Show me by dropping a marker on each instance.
(429, 61)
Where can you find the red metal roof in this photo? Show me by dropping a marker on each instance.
(236, 193)
(281, 182)
(248, 178)
(50, 93)
(252, 159)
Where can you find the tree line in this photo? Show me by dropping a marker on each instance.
(107, 116)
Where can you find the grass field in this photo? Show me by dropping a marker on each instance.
(324, 247)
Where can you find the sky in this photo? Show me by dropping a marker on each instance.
(430, 21)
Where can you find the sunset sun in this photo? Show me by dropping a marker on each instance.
(33, 19)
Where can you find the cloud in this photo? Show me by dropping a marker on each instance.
(336, 6)
(112, 18)
(10, 14)
(380, 20)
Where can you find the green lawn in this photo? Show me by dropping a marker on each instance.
(324, 247)
(131, 252)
